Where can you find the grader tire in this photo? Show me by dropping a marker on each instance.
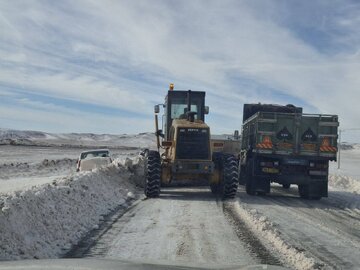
(230, 177)
(152, 174)
(286, 186)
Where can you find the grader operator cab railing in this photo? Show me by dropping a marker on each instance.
(185, 147)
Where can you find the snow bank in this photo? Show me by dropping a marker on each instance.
(265, 229)
(344, 182)
(46, 167)
(136, 167)
(45, 221)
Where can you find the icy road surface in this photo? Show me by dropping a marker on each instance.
(191, 225)
(327, 230)
(183, 225)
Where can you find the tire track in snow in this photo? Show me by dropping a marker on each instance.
(326, 230)
(243, 232)
(85, 247)
(183, 224)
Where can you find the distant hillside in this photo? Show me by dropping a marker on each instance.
(38, 138)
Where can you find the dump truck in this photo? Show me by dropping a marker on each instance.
(282, 144)
(185, 150)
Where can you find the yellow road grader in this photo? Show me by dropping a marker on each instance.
(185, 150)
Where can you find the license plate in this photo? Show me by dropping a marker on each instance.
(270, 170)
(295, 162)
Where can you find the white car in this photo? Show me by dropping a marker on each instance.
(89, 160)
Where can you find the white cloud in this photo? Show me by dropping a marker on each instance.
(124, 54)
(58, 119)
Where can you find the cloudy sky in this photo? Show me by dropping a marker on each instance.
(100, 66)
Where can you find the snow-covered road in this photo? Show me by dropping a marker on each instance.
(327, 230)
(191, 225)
(183, 225)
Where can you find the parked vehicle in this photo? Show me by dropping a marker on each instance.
(283, 145)
(92, 159)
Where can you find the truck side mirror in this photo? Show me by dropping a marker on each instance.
(206, 110)
(156, 109)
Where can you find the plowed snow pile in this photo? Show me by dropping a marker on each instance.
(344, 182)
(347, 178)
(45, 221)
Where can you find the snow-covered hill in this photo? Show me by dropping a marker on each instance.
(38, 138)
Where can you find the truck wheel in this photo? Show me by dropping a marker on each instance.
(242, 175)
(304, 193)
(249, 188)
(214, 188)
(286, 186)
(229, 183)
(248, 178)
(152, 174)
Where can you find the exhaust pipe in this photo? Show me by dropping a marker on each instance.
(190, 114)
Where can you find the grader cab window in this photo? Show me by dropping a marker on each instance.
(176, 107)
(179, 109)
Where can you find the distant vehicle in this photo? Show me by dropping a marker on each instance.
(283, 145)
(92, 159)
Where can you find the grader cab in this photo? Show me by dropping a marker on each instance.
(185, 150)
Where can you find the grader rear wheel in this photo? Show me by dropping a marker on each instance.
(230, 178)
(152, 174)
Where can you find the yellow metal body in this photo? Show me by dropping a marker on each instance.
(169, 154)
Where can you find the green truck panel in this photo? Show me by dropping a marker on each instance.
(283, 145)
(291, 134)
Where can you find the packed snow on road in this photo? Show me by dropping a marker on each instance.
(47, 210)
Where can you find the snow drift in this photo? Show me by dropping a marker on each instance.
(262, 226)
(344, 182)
(45, 221)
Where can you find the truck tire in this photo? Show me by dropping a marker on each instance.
(152, 174)
(229, 183)
(242, 175)
(286, 186)
(214, 188)
(248, 178)
(304, 193)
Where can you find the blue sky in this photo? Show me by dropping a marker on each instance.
(100, 66)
